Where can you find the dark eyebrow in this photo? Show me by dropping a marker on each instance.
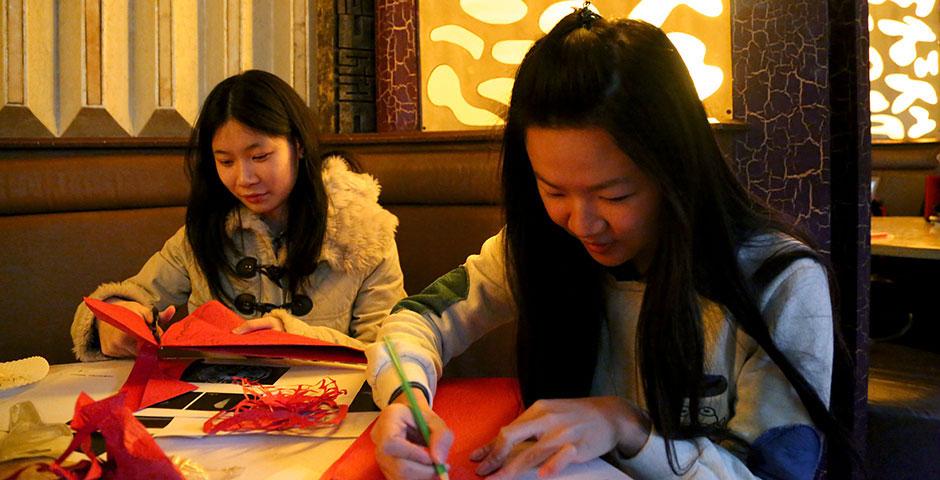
(249, 147)
(600, 186)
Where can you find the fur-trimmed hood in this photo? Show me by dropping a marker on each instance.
(359, 232)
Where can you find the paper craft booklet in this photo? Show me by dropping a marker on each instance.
(209, 329)
(163, 382)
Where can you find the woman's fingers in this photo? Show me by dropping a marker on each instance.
(396, 469)
(481, 453)
(559, 460)
(391, 433)
(397, 456)
(442, 438)
(166, 315)
(263, 323)
(565, 431)
(509, 436)
(114, 342)
(401, 448)
(529, 458)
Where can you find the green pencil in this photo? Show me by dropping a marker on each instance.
(413, 404)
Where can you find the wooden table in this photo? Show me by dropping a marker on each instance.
(908, 237)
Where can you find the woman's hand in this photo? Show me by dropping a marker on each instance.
(116, 343)
(565, 431)
(399, 448)
(267, 322)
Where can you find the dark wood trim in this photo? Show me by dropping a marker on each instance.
(81, 143)
(327, 140)
(902, 143)
(730, 126)
(850, 216)
(405, 137)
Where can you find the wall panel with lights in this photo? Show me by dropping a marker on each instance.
(470, 50)
(905, 64)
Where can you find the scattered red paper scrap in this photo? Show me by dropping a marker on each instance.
(268, 409)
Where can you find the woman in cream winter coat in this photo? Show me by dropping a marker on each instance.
(301, 243)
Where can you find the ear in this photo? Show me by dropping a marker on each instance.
(299, 149)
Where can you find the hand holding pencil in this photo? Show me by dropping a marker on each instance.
(400, 438)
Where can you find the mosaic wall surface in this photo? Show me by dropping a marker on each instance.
(800, 86)
(396, 68)
(782, 94)
(470, 50)
(905, 64)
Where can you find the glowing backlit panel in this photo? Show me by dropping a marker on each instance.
(904, 69)
(470, 50)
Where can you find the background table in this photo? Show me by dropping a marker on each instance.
(905, 266)
(909, 237)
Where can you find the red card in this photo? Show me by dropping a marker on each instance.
(474, 409)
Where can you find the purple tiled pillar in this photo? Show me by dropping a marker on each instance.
(800, 72)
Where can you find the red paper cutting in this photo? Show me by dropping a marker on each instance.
(267, 409)
(494, 403)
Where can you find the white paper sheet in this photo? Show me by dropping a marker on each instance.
(188, 420)
(54, 397)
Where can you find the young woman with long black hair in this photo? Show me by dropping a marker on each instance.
(289, 239)
(666, 318)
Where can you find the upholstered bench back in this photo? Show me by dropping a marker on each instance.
(71, 218)
(901, 171)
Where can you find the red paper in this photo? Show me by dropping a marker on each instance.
(474, 409)
(153, 380)
(132, 452)
(277, 409)
(210, 327)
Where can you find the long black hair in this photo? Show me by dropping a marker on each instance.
(626, 77)
(267, 104)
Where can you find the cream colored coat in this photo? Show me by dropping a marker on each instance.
(357, 281)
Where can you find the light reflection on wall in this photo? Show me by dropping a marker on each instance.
(470, 50)
(904, 69)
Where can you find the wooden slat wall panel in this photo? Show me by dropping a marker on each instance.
(116, 69)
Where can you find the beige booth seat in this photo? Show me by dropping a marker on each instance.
(72, 217)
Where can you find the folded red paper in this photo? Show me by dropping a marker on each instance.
(132, 452)
(474, 409)
(207, 329)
